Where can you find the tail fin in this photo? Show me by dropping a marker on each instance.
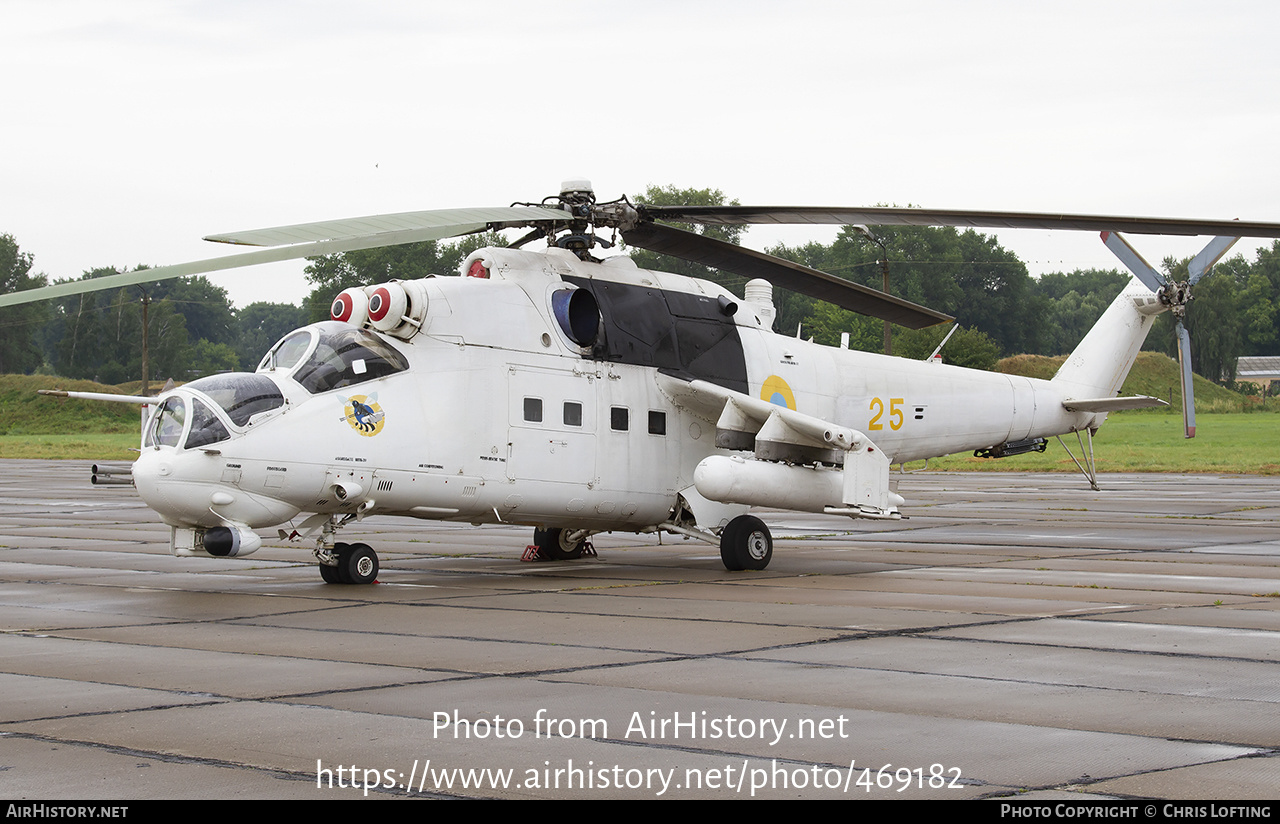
(1098, 366)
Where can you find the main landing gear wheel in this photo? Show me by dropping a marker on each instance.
(329, 574)
(554, 545)
(357, 564)
(746, 544)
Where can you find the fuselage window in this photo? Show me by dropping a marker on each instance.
(619, 419)
(572, 413)
(533, 410)
(657, 422)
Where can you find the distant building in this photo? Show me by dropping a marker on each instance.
(1259, 370)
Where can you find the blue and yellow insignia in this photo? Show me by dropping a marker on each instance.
(775, 390)
(363, 414)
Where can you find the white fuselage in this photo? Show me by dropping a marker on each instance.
(500, 416)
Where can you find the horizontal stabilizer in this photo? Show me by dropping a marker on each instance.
(1111, 404)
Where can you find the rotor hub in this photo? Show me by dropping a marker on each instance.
(578, 196)
(1176, 296)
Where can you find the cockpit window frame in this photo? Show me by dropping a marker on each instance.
(205, 426)
(344, 355)
(164, 417)
(240, 395)
(273, 360)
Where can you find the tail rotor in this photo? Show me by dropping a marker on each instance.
(1176, 296)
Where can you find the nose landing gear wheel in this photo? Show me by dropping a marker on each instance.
(746, 544)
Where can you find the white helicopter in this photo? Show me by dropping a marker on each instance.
(579, 395)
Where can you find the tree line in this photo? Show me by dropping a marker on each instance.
(193, 329)
(1000, 308)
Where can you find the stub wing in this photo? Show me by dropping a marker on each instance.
(799, 462)
(777, 430)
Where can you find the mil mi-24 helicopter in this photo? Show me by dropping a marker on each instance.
(578, 394)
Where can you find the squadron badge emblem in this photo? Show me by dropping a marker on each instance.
(363, 414)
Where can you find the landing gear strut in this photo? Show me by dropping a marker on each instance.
(746, 544)
(357, 564)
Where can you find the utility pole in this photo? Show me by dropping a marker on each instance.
(146, 302)
(884, 272)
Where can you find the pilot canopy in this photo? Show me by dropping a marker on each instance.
(331, 355)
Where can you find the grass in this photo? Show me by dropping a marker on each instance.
(36, 427)
(1153, 374)
(1153, 442)
(23, 412)
(76, 447)
(1127, 442)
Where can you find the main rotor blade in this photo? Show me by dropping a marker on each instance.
(893, 216)
(373, 225)
(1135, 262)
(1188, 392)
(310, 240)
(1209, 255)
(199, 267)
(749, 263)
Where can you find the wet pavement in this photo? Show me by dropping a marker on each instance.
(1017, 635)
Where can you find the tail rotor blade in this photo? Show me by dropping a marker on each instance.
(1133, 261)
(1211, 254)
(1188, 398)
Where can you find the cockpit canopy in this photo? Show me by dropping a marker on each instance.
(320, 357)
(331, 355)
(238, 394)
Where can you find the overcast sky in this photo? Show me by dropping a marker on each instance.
(134, 127)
